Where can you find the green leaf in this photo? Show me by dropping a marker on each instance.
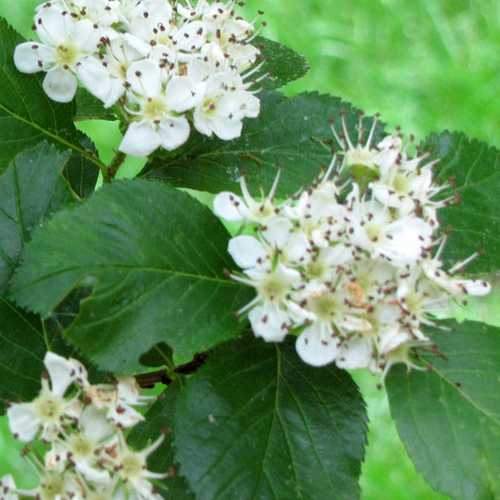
(22, 349)
(256, 422)
(282, 64)
(475, 223)
(449, 418)
(27, 115)
(159, 420)
(293, 134)
(155, 258)
(89, 107)
(81, 175)
(31, 189)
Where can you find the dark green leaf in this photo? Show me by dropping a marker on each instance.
(155, 258)
(282, 64)
(22, 349)
(31, 189)
(27, 115)
(291, 134)
(159, 420)
(475, 223)
(256, 422)
(449, 418)
(81, 174)
(89, 107)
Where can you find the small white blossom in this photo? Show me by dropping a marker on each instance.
(159, 63)
(351, 269)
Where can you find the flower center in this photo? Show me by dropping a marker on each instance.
(67, 55)
(261, 211)
(323, 305)
(373, 231)
(52, 487)
(274, 288)
(154, 109)
(48, 408)
(81, 446)
(401, 184)
(132, 466)
(210, 107)
(316, 269)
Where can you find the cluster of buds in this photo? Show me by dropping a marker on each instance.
(83, 427)
(162, 63)
(352, 264)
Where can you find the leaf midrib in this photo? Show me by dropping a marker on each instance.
(54, 137)
(464, 395)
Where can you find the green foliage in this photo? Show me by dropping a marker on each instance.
(449, 417)
(22, 348)
(255, 422)
(155, 259)
(474, 170)
(281, 65)
(27, 115)
(31, 189)
(159, 420)
(292, 134)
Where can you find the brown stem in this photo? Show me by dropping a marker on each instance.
(115, 165)
(148, 380)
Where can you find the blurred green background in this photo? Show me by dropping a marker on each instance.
(426, 65)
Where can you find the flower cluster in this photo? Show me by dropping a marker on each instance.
(82, 424)
(352, 264)
(162, 63)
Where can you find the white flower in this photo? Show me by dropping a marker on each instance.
(8, 488)
(132, 468)
(232, 207)
(224, 106)
(66, 51)
(49, 410)
(158, 123)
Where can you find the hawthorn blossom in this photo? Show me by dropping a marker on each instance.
(87, 453)
(49, 410)
(66, 53)
(162, 66)
(352, 268)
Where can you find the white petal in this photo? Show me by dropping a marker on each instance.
(391, 338)
(115, 92)
(91, 473)
(125, 416)
(230, 207)
(95, 77)
(247, 251)
(145, 78)
(60, 85)
(191, 36)
(297, 248)
(32, 57)
(315, 346)
(61, 372)
(183, 94)
(277, 231)
(202, 123)
(226, 129)
(52, 27)
(23, 422)
(140, 140)
(269, 322)
(478, 288)
(174, 132)
(85, 36)
(356, 353)
(95, 425)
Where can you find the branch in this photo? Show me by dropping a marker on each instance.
(148, 380)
